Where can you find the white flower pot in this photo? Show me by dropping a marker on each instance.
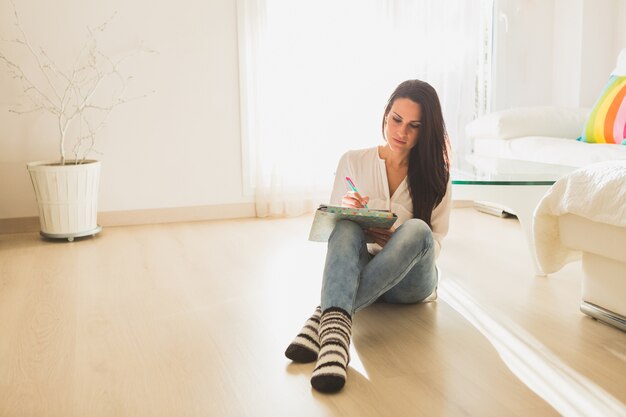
(67, 196)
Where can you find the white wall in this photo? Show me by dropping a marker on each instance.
(555, 52)
(523, 50)
(599, 47)
(567, 53)
(180, 146)
(620, 16)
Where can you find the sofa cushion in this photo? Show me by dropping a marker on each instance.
(607, 120)
(561, 151)
(560, 122)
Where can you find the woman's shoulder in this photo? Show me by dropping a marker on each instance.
(358, 155)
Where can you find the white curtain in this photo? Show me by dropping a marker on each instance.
(315, 77)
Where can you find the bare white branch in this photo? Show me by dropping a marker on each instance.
(103, 26)
(16, 72)
(24, 40)
(73, 96)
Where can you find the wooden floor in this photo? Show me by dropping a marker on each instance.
(192, 319)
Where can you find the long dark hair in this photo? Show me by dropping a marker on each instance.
(429, 159)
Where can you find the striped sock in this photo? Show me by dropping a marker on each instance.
(306, 345)
(329, 374)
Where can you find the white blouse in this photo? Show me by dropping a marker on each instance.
(367, 170)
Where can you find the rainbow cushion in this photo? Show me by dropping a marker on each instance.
(607, 120)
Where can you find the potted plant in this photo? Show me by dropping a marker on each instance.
(79, 100)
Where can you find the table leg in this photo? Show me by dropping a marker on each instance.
(524, 214)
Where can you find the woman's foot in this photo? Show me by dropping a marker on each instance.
(335, 330)
(306, 346)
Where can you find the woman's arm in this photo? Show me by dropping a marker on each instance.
(440, 219)
(339, 186)
(340, 195)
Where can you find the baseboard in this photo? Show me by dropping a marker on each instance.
(176, 214)
(160, 215)
(147, 216)
(19, 225)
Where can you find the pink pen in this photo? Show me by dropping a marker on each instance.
(353, 187)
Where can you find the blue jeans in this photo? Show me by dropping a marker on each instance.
(403, 272)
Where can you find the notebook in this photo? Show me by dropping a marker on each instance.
(326, 217)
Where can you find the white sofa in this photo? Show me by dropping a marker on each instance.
(540, 134)
(584, 213)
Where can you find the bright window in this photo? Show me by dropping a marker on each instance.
(315, 77)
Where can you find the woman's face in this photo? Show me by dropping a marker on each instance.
(402, 124)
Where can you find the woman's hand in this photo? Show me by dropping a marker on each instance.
(380, 236)
(354, 200)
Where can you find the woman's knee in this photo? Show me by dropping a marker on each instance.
(416, 232)
(417, 226)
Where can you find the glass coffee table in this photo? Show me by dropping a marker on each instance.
(514, 185)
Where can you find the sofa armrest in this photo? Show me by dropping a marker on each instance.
(561, 122)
